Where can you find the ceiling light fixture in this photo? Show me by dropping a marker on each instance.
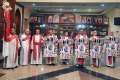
(89, 10)
(33, 4)
(102, 5)
(74, 10)
(61, 9)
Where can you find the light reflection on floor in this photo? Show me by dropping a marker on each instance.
(28, 71)
(58, 72)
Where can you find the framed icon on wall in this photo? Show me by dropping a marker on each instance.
(67, 18)
(56, 18)
(53, 18)
(50, 19)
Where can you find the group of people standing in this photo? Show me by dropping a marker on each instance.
(50, 49)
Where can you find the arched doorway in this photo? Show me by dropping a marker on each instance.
(17, 21)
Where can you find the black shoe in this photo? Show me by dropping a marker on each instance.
(79, 66)
(53, 64)
(64, 63)
(36, 64)
(111, 66)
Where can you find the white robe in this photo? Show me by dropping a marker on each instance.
(110, 52)
(95, 48)
(37, 61)
(51, 52)
(95, 51)
(25, 47)
(65, 52)
(79, 53)
(9, 51)
(80, 49)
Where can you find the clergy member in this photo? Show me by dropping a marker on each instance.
(25, 53)
(81, 42)
(36, 45)
(110, 47)
(10, 50)
(50, 51)
(95, 49)
(65, 52)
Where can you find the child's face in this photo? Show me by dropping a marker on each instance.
(12, 31)
(50, 31)
(95, 33)
(27, 31)
(37, 31)
(66, 33)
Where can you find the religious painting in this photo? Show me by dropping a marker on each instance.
(56, 18)
(67, 18)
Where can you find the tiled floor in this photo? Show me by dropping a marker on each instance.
(59, 72)
(77, 75)
(112, 72)
(28, 71)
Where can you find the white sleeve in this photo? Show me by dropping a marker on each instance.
(19, 44)
(104, 48)
(21, 37)
(56, 39)
(21, 40)
(99, 50)
(5, 49)
(116, 47)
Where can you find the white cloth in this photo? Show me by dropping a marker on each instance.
(49, 50)
(80, 51)
(109, 53)
(25, 47)
(5, 49)
(65, 51)
(95, 48)
(95, 51)
(80, 47)
(9, 51)
(110, 50)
